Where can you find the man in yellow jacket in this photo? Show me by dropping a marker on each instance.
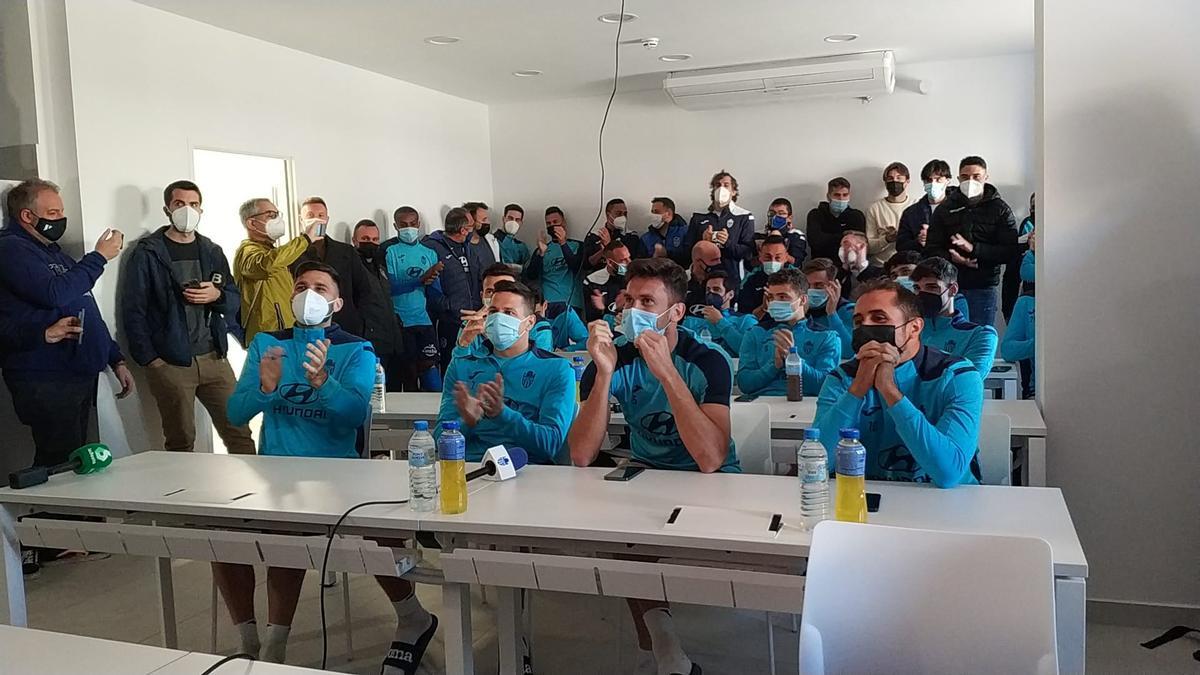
(260, 268)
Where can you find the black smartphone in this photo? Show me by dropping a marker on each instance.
(745, 398)
(80, 317)
(873, 502)
(194, 284)
(624, 473)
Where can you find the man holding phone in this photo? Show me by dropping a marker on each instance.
(917, 408)
(179, 298)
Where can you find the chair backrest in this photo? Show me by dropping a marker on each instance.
(995, 449)
(887, 599)
(750, 427)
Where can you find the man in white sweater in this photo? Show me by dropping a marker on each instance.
(883, 216)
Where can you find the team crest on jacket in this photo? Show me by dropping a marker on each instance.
(950, 345)
(527, 379)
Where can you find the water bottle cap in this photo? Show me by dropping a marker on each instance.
(577, 359)
(849, 433)
(453, 426)
(421, 425)
(812, 434)
(792, 350)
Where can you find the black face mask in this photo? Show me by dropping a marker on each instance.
(930, 304)
(883, 334)
(714, 300)
(368, 250)
(485, 228)
(51, 229)
(894, 188)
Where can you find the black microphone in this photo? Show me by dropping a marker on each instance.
(500, 463)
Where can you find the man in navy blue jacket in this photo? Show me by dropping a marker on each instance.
(177, 292)
(726, 224)
(461, 278)
(53, 384)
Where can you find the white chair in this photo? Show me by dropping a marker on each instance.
(893, 600)
(995, 449)
(750, 427)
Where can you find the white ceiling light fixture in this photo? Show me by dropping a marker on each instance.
(617, 17)
(674, 58)
(527, 73)
(841, 37)
(441, 40)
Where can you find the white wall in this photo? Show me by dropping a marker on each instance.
(1117, 287)
(545, 152)
(150, 86)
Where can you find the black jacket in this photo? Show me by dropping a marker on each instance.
(591, 244)
(750, 294)
(739, 247)
(609, 285)
(989, 225)
(152, 307)
(365, 312)
(914, 216)
(461, 288)
(378, 274)
(825, 230)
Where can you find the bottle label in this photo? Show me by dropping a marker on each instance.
(814, 472)
(452, 447)
(851, 461)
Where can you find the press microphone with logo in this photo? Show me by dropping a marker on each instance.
(91, 458)
(500, 463)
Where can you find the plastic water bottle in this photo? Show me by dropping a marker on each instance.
(452, 456)
(814, 479)
(793, 366)
(705, 335)
(379, 392)
(851, 502)
(422, 469)
(578, 366)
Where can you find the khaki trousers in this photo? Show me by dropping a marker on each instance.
(175, 388)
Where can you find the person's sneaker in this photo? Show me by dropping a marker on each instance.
(404, 658)
(526, 659)
(30, 566)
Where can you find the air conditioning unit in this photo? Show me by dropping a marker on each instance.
(847, 76)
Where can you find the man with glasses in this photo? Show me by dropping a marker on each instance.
(260, 268)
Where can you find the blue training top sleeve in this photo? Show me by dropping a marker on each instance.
(248, 398)
(981, 350)
(944, 450)
(347, 397)
(1018, 338)
(837, 409)
(544, 436)
(756, 361)
(825, 357)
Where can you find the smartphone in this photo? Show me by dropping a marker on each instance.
(873, 502)
(194, 284)
(745, 398)
(80, 317)
(624, 473)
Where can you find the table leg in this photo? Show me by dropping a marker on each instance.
(1070, 609)
(1011, 391)
(1035, 461)
(508, 622)
(456, 611)
(12, 591)
(166, 598)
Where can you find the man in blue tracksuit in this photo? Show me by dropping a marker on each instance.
(917, 408)
(413, 271)
(461, 277)
(772, 257)
(726, 327)
(510, 393)
(513, 251)
(726, 224)
(53, 379)
(556, 261)
(666, 236)
(1018, 344)
(567, 330)
(945, 328)
(471, 338)
(827, 309)
(766, 345)
(312, 385)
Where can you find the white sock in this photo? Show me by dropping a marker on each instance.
(668, 653)
(412, 620)
(248, 631)
(275, 646)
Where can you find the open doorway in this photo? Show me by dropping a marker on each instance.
(228, 179)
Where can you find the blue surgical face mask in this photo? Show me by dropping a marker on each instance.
(502, 330)
(408, 235)
(836, 206)
(781, 310)
(908, 283)
(817, 297)
(778, 222)
(622, 268)
(772, 266)
(635, 320)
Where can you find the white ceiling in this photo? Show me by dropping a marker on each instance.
(564, 39)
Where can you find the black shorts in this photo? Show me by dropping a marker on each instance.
(421, 343)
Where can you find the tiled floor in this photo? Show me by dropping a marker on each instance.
(117, 599)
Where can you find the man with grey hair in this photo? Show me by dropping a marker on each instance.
(57, 343)
(260, 268)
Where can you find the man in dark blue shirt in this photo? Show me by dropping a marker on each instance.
(780, 222)
(726, 224)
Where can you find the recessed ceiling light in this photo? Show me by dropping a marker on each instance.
(841, 37)
(527, 73)
(617, 17)
(441, 40)
(672, 58)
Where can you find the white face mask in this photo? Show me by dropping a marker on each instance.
(722, 196)
(619, 223)
(971, 188)
(311, 308)
(656, 221)
(852, 259)
(276, 228)
(511, 226)
(185, 219)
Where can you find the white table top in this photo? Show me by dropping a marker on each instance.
(1026, 416)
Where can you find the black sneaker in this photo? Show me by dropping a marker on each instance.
(30, 565)
(406, 658)
(526, 659)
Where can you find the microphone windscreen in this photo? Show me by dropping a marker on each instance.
(92, 457)
(519, 457)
